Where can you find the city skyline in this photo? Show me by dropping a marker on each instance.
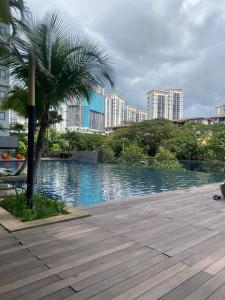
(155, 44)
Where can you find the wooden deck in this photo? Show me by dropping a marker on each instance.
(165, 246)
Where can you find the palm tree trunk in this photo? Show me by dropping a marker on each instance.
(40, 141)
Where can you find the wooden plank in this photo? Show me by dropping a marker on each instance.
(184, 289)
(22, 282)
(141, 288)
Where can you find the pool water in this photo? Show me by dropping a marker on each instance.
(81, 184)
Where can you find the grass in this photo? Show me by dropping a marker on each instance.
(44, 207)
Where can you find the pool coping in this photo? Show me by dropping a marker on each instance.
(12, 224)
(125, 201)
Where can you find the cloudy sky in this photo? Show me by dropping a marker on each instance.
(155, 43)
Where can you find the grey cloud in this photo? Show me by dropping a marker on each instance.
(161, 43)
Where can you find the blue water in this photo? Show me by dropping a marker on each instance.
(82, 184)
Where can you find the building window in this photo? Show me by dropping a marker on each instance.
(2, 30)
(2, 116)
(2, 94)
(2, 73)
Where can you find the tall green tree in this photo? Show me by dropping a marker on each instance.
(66, 67)
(12, 11)
(17, 130)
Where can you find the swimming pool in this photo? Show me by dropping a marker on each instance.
(81, 184)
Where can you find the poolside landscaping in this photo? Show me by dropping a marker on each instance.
(15, 215)
(44, 207)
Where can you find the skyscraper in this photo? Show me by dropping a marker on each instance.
(131, 113)
(142, 115)
(83, 115)
(4, 85)
(114, 110)
(165, 103)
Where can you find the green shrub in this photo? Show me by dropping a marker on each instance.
(133, 155)
(44, 207)
(22, 148)
(106, 154)
(164, 159)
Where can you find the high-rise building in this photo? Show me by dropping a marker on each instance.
(61, 126)
(14, 118)
(165, 103)
(87, 116)
(4, 84)
(220, 111)
(177, 99)
(131, 113)
(114, 110)
(142, 115)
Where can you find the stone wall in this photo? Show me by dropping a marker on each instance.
(85, 156)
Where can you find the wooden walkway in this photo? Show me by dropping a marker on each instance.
(165, 246)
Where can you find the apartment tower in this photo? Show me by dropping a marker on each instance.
(4, 85)
(114, 110)
(165, 103)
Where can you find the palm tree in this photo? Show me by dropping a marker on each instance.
(17, 129)
(66, 67)
(8, 8)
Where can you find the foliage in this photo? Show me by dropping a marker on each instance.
(215, 147)
(106, 154)
(164, 159)
(133, 155)
(66, 68)
(22, 148)
(184, 145)
(44, 207)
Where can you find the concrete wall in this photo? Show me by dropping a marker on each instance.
(8, 142)
(85, 156)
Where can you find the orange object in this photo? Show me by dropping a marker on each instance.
(5, 156)
(19, 156)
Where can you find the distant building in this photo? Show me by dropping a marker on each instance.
(131, 113)
(142, 115)
(220, 111)
(114, 110)
(165, 103)
(202, 120)
(82, 115)
(14, 118)
(4, 85)
(62, 125)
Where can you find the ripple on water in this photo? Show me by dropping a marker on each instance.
(82, 184)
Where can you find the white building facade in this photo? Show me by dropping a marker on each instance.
(142, 115)
(4, 84)
(14, 118)
(165, 103)
(114, 110)
(131, 113)
(220, 111)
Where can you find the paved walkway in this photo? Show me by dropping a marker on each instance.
(165, 246)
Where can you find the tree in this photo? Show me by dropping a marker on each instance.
(146, 134)
(106, 154)
(66, 67)
(8, 8)
(164, 159)
(17, 130)
(133, 154)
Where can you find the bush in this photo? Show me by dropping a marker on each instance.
(22, 148)
(44, 207)
(106, 154)
(133, 155)
(164, 159)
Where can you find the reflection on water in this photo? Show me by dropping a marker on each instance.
(86, 184)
